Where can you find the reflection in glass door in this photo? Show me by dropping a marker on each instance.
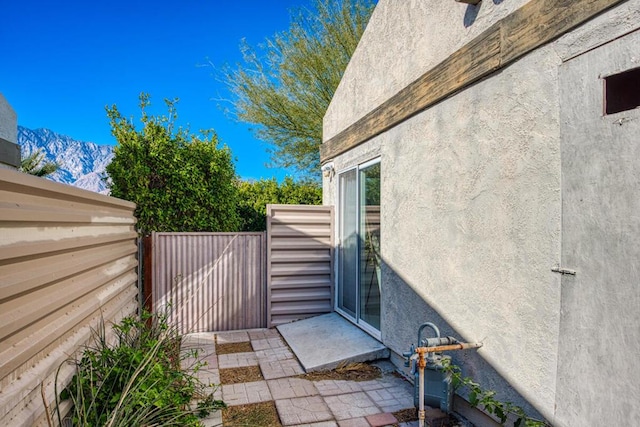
(370, 245)
(359, 261)
(347, 263)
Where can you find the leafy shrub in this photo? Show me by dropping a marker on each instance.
(137, 380)
(178, 180)
(255, 195)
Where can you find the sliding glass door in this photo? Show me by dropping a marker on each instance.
(348, 252)
(358, 290)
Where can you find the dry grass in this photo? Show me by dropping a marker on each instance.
(411, 414)
(234, 347)
(254, 415)
(406, 415)
(347, 372)
(245, 374)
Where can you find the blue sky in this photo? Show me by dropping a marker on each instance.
(62, 62)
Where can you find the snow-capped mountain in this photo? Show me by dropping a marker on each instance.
(82, 164)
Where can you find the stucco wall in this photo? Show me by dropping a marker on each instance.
(599, 384)
(8, 121)
(403, 40)
(9, 149)
(475, 196)
(471, 193)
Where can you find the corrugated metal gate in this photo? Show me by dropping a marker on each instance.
(228, 281)
(210, 281)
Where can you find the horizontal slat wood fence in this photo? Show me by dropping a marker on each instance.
(67, 262)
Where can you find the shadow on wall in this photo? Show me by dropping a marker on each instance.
(407, 310)
(471, 13)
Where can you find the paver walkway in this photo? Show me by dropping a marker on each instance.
(299, 402)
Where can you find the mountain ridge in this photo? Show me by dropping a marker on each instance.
(82, 164)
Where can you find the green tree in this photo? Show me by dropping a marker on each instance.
(255, 195)
(179, 181)
(34, 164)
(284, 87)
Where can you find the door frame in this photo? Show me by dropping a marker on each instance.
(371, 330)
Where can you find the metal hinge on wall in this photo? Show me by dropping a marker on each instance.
(563, 271)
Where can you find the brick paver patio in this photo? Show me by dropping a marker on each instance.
(302, 410)
(286, 388)
(299, 402)
(237, 360)
(244, 393)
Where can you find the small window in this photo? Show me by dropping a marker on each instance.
(622, 91)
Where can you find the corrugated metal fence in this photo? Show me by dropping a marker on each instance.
(67, 260)
(227, 281)
(299, 262)
(210, 281)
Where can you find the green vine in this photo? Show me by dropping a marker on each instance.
(486, 399)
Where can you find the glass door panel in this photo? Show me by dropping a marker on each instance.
(369, 253)
(359, 260)
(348, 251)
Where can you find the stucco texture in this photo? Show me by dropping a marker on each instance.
(471, 201)
(8, 121)
(403, 40)
(470, 196)
(599, 384)
(472, 190)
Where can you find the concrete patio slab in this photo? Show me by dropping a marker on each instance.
(324, 342)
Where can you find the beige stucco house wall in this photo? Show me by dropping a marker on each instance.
(475, 192)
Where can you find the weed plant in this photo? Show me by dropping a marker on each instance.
(503, 411)
(137, 378)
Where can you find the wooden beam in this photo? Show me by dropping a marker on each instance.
(533, 25)
(468, 64)
(541, 21)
